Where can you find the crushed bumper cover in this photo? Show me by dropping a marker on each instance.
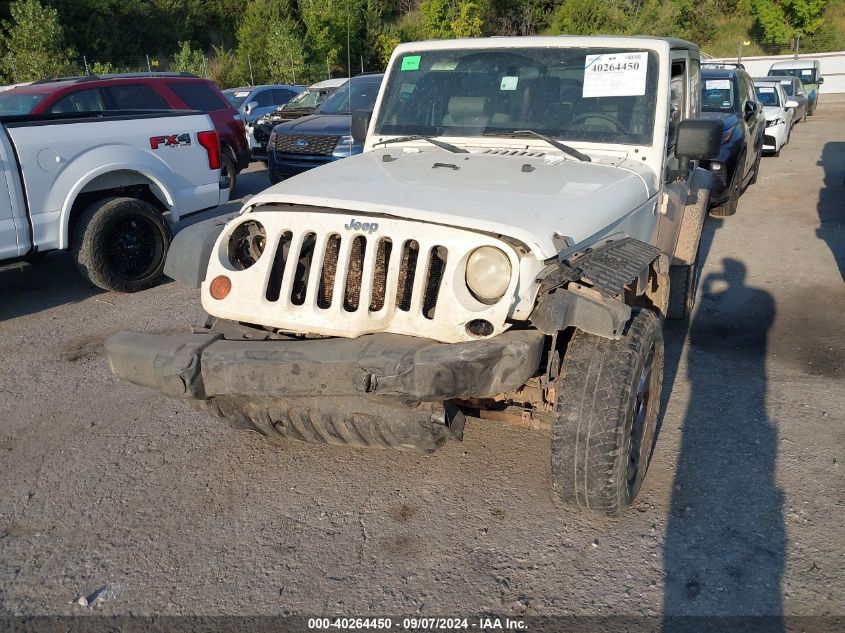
(377, 390)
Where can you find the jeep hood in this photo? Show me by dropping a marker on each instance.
(526, 198)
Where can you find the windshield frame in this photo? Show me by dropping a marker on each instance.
(8, 95)
(346, 92)
(796, 72)
(735, 95)
(236, 102)
(774, 86)
(560, 67)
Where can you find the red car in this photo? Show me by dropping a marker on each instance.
(137, 91)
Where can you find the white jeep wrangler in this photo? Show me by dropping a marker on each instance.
(525, 214)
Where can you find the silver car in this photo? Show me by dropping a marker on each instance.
(252, 102)
(795, 91)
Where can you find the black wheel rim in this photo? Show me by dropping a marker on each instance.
(642, 433)
(134, 247)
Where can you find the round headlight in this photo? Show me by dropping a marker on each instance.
(246, 244)
(488, 274)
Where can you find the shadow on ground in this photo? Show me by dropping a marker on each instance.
(724, 552)
(831, 205)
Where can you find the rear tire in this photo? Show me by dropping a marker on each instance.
(605, 420)
(120, 244)
(228, 170)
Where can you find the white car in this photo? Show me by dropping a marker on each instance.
(780, 115)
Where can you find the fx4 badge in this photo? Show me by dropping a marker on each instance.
(369, 227)
(170, 140)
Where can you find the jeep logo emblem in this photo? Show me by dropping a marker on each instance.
(367, 227)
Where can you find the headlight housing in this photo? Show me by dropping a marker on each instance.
(772, 122)
(488, 274)
(345, 144)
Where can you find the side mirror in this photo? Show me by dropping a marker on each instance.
(821, 80)
(750, 109)
(698, 139)
(360, 125)
(791, 104)
(250, 107)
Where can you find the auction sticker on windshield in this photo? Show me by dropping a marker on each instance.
(717, 84)
(411, 62)
(615, 75)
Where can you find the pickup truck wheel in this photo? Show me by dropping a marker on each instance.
(605, 419)
(120, 244)
(229, 171)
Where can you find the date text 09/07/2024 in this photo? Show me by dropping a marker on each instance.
(481, 623)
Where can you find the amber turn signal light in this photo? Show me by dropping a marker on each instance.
(220, 287)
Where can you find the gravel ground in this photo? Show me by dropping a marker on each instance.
(109, 485)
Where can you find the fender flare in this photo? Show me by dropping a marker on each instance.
(135, 162)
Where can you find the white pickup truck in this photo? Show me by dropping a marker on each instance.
(106, 187)
(525, 214)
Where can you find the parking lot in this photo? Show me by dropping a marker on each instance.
(107, 485)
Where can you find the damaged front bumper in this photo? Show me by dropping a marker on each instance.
(376, 390)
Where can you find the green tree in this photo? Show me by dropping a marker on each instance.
(468, 20)
(252, 56)
(778, 21)
(285, 53)
(33, 43)
(436, 18)
(223, 68)
(103, 68)
(191, 60)
(326, 23)
(587, 17)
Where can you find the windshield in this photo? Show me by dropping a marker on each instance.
(573, 94)
(13, 102)
(767, 95)
(806, 75)
(362, 93)
(717, 95)
(308, 98)
(236, 97)
(788, 88)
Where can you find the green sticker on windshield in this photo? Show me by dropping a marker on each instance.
(411, 62)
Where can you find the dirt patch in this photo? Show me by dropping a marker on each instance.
(83, 348)
(403, 513)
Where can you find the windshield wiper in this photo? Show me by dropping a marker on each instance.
(418, 137)
(566, 149)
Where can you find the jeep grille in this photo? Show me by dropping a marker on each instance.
(322, 264)
(333, 274)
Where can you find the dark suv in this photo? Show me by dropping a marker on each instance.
(326, 135)
(727, 93)
(138, 91)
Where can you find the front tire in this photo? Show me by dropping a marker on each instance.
(728, 207)
(683, 283)
(120, 244)
(605, 420)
